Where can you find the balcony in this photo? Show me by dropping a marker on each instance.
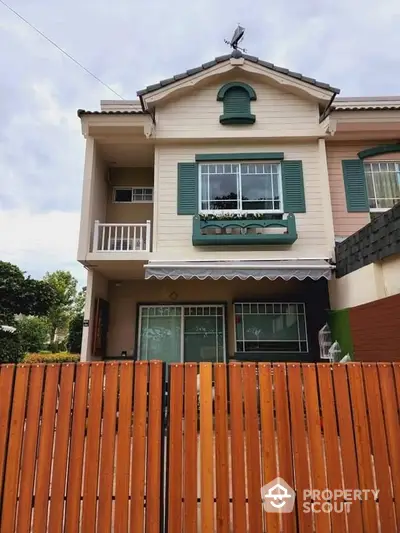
(121, 237)
(242, 231)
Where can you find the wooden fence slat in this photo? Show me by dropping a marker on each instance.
(299, 444)
(175, 448)
(237, 448)
(379, 446)
(75, 467)
(154, 448)
(139, 446)
(396, 370)
(123, 447)
(58, 478)
(28, 462)
(388, 391)
(347, 443)
(206, 449)
(363, 444)
(283, 435)
(317, 452)
(268, 438)
(12, 467)
(91, 463)
(221, 449)
(190, 450)
(45, 449)
(6, 395)
(252, 447)
(330, 429)
(106, 476)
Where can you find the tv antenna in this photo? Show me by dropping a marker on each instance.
(237, 37)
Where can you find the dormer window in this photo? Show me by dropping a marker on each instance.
(236, 98)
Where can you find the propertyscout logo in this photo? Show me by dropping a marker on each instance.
(279, 497)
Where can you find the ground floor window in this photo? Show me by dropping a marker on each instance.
(176, 333)
(270, 327)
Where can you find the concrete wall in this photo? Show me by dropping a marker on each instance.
(367, 284)
(125, 297)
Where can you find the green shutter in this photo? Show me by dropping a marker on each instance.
(187, 188)
(293, 187)
(355, 186)
(236, 101)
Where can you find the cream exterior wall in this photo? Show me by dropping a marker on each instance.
(346, 223)
(134, 212)
(367, 284)
(96, 287)
(279, 113)
(94, 196)
(125, 296)
(174, 232)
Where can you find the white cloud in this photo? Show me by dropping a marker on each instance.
(353, 46)
(41, 242)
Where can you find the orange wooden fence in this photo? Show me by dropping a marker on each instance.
(110, 447)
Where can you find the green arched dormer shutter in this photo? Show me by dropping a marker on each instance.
(236, 98)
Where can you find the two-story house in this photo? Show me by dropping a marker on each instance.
(210, 209)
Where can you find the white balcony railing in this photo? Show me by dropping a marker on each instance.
(121, 237)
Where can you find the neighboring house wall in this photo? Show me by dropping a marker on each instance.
(375, 330)
(346, 223)
(124, 298)
(96, 287)
(359, 287)
(278, 113)
(129, 212)
(94, 196)
(314, 228)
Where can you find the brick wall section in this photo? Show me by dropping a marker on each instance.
(375, 241)
(375, 328)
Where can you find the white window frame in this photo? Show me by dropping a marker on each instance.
(182, 317)
(378, 209)
(239, 188)
(132, 189)
(302, 304)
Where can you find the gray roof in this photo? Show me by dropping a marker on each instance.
(236, 54)
(82, 112)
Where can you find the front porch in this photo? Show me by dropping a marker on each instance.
(209, 320)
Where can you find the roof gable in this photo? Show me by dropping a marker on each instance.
(253, 64)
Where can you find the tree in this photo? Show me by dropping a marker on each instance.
(75, 333)
(59, 315)
(20, 294)
(34, 333)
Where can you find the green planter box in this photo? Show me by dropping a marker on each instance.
(245, 231)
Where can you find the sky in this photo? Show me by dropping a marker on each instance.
(353, 45)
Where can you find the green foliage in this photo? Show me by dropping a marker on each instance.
(36, 358)
(34, 332)
(11, 350)
(64, 284)
(75, 333)
(22, 295)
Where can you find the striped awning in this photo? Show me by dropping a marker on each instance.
(240, 269)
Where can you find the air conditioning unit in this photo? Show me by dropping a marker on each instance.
(127, 245)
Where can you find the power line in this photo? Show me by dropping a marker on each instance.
(60, 49)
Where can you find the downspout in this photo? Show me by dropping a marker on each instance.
(326, 111)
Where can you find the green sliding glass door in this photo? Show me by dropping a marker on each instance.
(182, 333)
